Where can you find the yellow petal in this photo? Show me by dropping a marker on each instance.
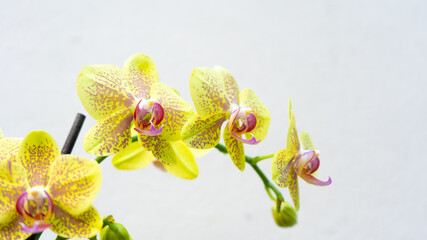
(235, 150)
(306, 142)
(9, 148)
(203, 134)
(186, 166)
(74, 183)
(199, 152)
(11, 229)
(141, 73)
(280, 167)
(230, 85)
(208, 92)
(249, 99)
(160, 148)
(134, 156)
(84, 225)
(103, 90)
(37, 152)
(292, 144)
(293, 187)
(176, 110)
(110, 135)
(13, 182)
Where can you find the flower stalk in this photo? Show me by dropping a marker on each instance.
(267, 184)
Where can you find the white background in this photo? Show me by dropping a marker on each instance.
(356, 71)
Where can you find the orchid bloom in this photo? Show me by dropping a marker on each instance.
(40, 189)
(217, 98)
(131, 99)
(296, 161)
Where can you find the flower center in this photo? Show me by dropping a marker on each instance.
(242, 121)
(308, 162)
(148, 114)
(36, 206)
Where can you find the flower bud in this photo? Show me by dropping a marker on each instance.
(114, 231)
(286, 217)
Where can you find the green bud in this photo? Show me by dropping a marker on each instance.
(286, 217)
(114, 231)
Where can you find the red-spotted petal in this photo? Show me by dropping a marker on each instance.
(74, 182)
(37, 152)
(293, 187)
(141, 73)
(9, 148)
(84, 225)
(12, 229)
(102, 89)
(203, 133)
(160, 148)
(280, 167)
(208, 92)
(110, 135)
(235, 150)
(230, 85)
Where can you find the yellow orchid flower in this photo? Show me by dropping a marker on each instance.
(120, 99)
(217, 98)
(40, 189)
(296, 161)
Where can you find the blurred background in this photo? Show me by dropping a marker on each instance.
(355, 70)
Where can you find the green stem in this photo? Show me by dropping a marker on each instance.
(35, 236)
(267, 183)
(221, 148)
(253, 162)
(101, 158)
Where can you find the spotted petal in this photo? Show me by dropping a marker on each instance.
(102, 89)
(12, 229)
(249, 99)
(306, 142)
(176, 110)
(293, 187)
(230, 85)
(110, 135)
(37, 152)
(134, 156)
(160, 148)
(186, 166)
(203, 134)
(9, 148)
(208, 92)
(84, 225)
(141, 73)
(74, 183)
(280, 166)
(13, 182)
(235, 150)
(292, 145)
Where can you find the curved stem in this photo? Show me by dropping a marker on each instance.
(253, 162)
